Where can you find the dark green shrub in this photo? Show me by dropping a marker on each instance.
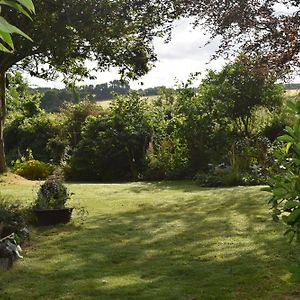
(14, 216)
(285, 184)
(74, 117)
(35, 133)
(113, 145)
(218, 180)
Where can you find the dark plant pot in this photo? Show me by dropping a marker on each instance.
(46, 217)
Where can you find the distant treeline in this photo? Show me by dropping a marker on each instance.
(292, 86)
(53, 99)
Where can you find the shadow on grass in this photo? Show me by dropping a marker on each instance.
(200, 248)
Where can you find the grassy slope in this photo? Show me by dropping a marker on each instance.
(168, 240)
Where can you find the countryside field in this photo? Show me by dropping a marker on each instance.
(164, 240)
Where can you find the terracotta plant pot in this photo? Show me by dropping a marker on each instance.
(46, 217)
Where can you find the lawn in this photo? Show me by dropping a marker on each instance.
(168, 240)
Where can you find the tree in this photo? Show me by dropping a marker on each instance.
(257, 26)
(237, 91)
(26, 8)
(112, 145)
(66, 33)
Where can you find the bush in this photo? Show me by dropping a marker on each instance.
(52, 194)
(285, 184)
(31, 168)
(218, 180)
(14, 216)
(113, 145)
(227, 176)
(167, 160)
(36, 133)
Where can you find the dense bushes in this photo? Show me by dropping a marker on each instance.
(178, 135)
(113, 144)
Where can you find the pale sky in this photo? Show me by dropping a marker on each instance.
(186, 53)
(183, 55)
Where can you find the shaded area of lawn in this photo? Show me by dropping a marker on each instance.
(169, 240)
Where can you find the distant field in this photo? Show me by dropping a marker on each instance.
(105, 103)
(292, 93)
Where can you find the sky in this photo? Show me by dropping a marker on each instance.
(186, 53)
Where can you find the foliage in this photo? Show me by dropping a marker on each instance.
(30, 168)
(167, 153)
(218, 180)
(14, 215)
(24, 7)
(74, 117)
(166, 159)
(66, 33)
(206, 134)
(237, 91)
(38, 133)
(52, 194)
(113, 145)
(285, 185)
(268, 28)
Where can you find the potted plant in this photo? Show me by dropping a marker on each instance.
(50, 204)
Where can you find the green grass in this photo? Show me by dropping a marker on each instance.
(169, 240)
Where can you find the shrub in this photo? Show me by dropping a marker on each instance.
(52, 194)
(14, 216)
(31, 168)
(34, 132)
(285, 185)
(113, 145)
(167, 160)
(227, 176)
(218, 180)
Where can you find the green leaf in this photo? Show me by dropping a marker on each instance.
(7, 27)
(291, 204)
(293, 216)
(291, 105)
(280, 192)
(4, 49)
(285, 138)
(27, 4)
(6, 37)
(287, 147)
(16, 6)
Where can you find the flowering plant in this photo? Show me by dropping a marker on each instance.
(52, 194)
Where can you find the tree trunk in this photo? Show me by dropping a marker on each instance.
(2, 119)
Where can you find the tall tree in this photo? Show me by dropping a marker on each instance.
(268, 27)
(66, 33)
(236, 92)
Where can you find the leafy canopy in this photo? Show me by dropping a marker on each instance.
(237, 91)
(66, 33)
(270, 28)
